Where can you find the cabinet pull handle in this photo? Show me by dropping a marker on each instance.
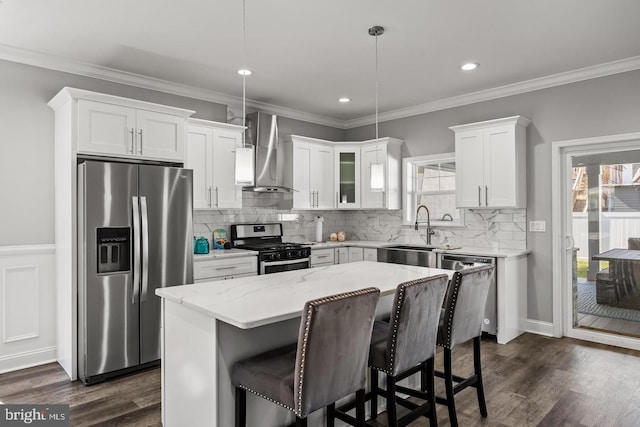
(132, 139)
(209, 196)
(217, 197)
(140, 133)
(226, 268)
(486, 195)
(317, 199)
(479, 192)
(323, 256)
(311, 198)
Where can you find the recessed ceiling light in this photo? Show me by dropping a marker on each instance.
(469, 66)
(245, 72)
(344, 99)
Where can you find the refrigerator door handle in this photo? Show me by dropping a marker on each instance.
(136, 248)
(145, 248)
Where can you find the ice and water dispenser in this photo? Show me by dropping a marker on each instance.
(114, 246)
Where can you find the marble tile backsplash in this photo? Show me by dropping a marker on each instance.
(498, 228)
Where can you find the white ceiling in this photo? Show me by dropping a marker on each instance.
(305, 54)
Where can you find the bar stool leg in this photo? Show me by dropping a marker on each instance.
(477, 365)
(331, 415)
(241, 407)
(448, 382)
(428, 371)
(391, 401)
(374, 393)
(360, 404)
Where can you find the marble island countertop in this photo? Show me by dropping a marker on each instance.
(260, 300)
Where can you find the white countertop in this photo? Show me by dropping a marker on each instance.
(260, 300)
(223, 253)
(492, 252)
(357, 243)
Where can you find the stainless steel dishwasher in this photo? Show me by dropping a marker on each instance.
(462, 262)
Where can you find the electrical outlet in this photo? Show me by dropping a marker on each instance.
(537, 226)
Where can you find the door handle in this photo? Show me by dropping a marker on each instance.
(217, 197)
(209, 196)
(133, 142)
(486, 195)
(135, 212)
(479, 192)
(140, 133)
(145, 248)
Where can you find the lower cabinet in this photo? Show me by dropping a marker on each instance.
(370, 254)
(342, 255)
(322, 257)
(207, 270)
(356, 254)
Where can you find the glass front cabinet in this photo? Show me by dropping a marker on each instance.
(347, 176)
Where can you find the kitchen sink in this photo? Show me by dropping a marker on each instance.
(408, 255)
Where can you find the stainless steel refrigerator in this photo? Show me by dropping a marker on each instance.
(135, 234)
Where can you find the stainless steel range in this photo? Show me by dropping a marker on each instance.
(274, 255)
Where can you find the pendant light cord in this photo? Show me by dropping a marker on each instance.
(376, 91)
(244, 76)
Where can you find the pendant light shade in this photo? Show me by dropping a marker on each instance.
(244, 165)
(245, 157)
(376, 180)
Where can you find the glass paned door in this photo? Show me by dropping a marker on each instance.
(605, 229)
(348, 177)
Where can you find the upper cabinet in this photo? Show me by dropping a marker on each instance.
(211, 153)
(387, 151)
(329, 175)
(120, 127)
(312, 173)
(347, 176)
(491, 163)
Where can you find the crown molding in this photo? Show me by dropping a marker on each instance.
(57, 63)
(592, 72)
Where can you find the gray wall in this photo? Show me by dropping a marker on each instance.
(604, 106)
(26, 142)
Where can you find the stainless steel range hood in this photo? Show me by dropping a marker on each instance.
(262, 133)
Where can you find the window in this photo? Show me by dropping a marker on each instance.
(431, 181)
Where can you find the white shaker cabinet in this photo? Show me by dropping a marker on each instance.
(210, 152)
(356, 254)
(312, 174)
(388, 152)
(322, 257)
(491, 163)
(121, 127)
(342, 255)
(370, 254)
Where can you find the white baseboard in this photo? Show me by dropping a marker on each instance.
(538, 327)
(27, 359)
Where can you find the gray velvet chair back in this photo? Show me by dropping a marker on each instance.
(464, 305)
(633, 243)
(333, 348)
(414, 322)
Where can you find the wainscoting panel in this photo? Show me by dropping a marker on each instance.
(27, 309)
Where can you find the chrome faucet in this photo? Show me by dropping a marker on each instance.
(430, 231)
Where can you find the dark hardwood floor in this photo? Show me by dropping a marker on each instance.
(532, 381)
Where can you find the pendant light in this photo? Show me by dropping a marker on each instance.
(377, 169)
(244, 155)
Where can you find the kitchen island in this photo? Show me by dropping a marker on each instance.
(209, 326)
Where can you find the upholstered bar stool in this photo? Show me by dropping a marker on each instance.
(461, 321)
(328, 363)
(406, 345)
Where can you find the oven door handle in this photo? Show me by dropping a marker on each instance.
(291, 261)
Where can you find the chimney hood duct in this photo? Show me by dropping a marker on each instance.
(270, 167)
